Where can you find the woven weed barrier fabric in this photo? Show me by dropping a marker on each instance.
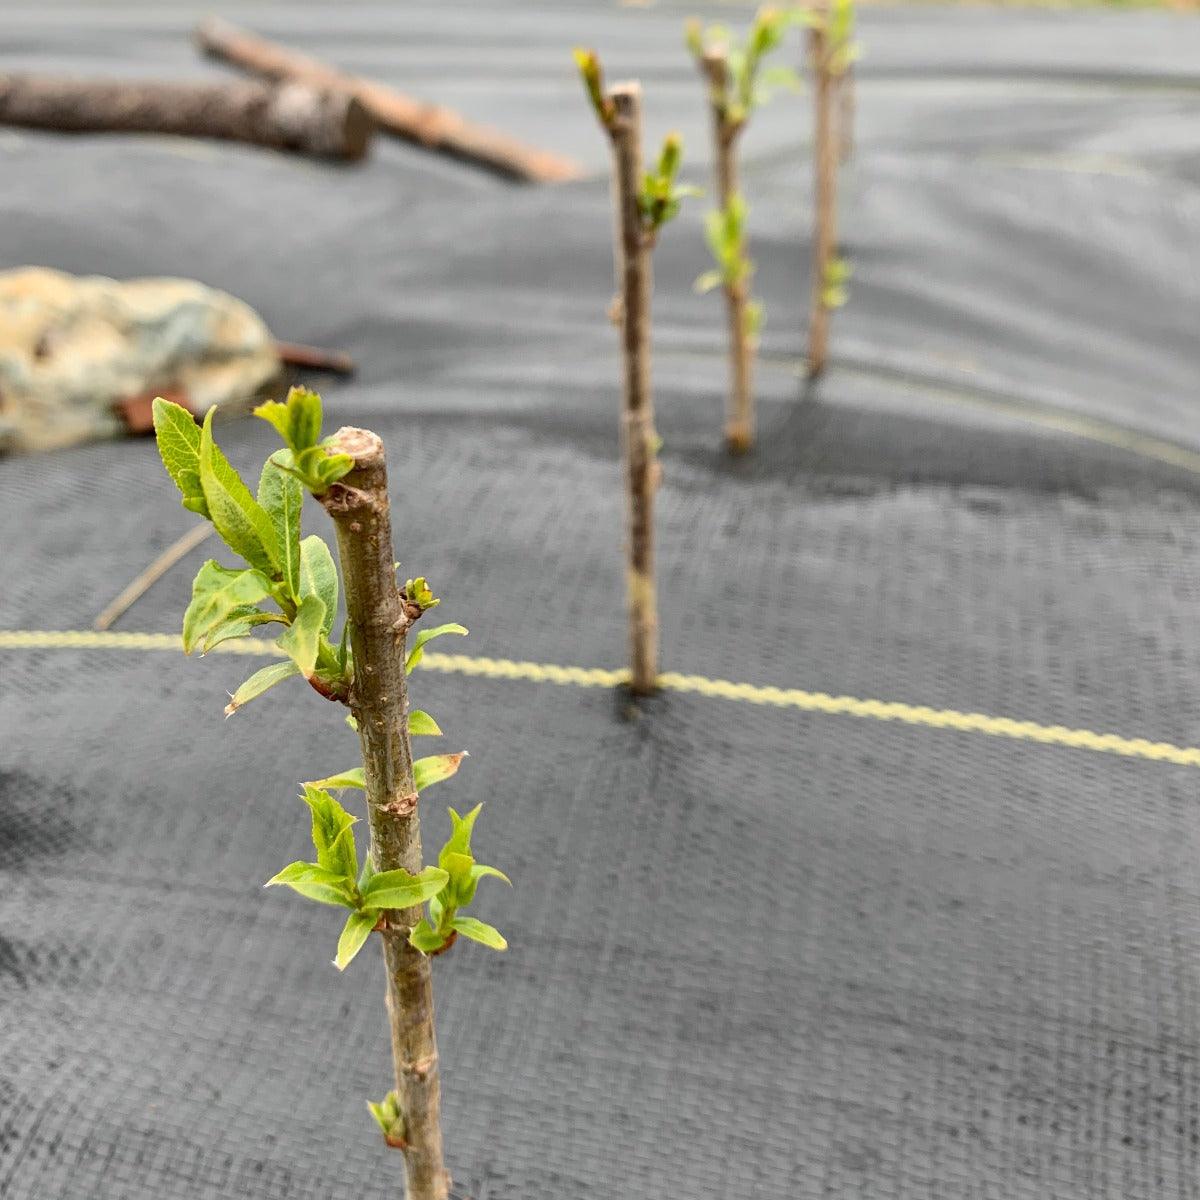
(758, 948)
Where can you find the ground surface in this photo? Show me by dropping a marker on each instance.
(756, 951)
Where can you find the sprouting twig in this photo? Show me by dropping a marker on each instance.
(645, 201)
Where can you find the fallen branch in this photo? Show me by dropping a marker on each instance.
(315, 358)
(294, 116)
(426, 124)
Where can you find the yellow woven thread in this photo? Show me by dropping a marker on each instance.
(723, 689)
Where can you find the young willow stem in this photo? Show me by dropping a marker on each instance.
(847, 110)
(639, 442)
(825, 164)
(378, 619)
(739, 422)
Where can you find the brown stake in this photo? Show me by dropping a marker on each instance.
(294, 116)
(639, 442)
(739, 424)
(379, 619)
(825, 160)
(427, 124)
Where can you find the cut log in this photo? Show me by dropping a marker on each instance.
(426, 124)
(293, 116)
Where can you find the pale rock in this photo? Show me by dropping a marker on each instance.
(72, 347)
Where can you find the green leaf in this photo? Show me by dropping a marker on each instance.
(219, 594)
(355, 932)
(459, 841)
(435, 768)
(424, 636)
(332, 833)
(593, 81)
(239, 518)
(670, 157)
(281, 497)
(319, 577)
(301, 641)
(421, 724)
(479, 931)
(342, 855)
(479, 871)
(458, 868)
(275, 413)
(259, 682)
(425, 938)
(315, 883)
(353, 778)
(239, 625)
(465, 874)
(178, 438)
(399, 889)
(298, 420)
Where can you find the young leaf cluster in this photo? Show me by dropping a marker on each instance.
(390, 1118)
(307, 457)
(750, 83)
(660, 195)
(335, 877)
(725, 233)
(837, 21)
(296, 578)
(441, 927)
(834, 285)
(592, 74)
(460, 873)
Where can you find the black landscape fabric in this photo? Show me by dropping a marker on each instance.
(756, 952)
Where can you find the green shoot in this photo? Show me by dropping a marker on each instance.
(284, 580)
(748, 84)
(438, 931)
(661, 197)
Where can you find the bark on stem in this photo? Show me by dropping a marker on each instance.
(739, 420)
(292, 116)
(639, 442)
(825, 161)
(847, 109)
(378, 619)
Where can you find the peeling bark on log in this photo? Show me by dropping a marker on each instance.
(293, 116)
(426, 124)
